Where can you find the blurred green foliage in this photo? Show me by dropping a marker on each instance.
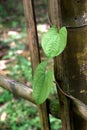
(20, 67)
(22, 70)
(21, 115)
(5, 96)
(9, 10)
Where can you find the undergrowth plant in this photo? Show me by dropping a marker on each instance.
(53, 44)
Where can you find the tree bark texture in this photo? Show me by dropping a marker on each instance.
(76, 50)
(74, 17)
(71, 66)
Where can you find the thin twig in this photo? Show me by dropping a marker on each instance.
(35, 55)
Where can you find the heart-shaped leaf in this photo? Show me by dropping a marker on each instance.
(54, 41)
(42, 83)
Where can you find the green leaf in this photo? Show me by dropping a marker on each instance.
(42, 83)
(54, 41)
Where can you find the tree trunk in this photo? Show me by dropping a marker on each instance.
(71, 66)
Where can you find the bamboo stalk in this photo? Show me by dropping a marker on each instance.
(35, 54)
(74, 16)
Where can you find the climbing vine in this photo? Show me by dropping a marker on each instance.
(53, 44)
